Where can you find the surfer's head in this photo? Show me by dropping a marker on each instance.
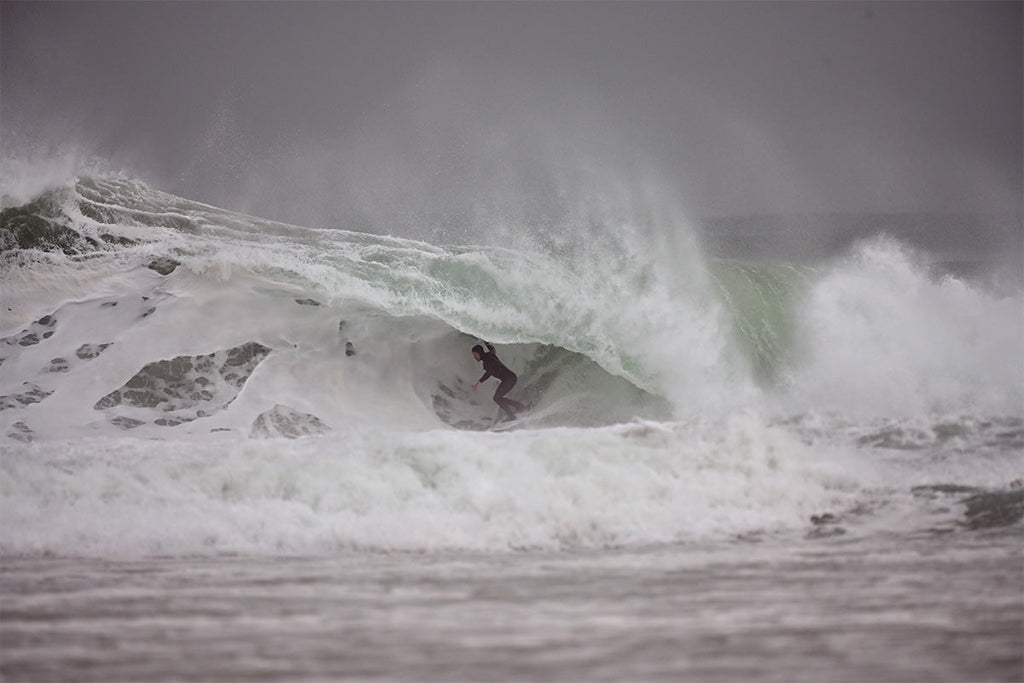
(478, 351)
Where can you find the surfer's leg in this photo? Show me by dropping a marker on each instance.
(516, 405)
(508, 405)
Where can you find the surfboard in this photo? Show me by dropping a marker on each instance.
(502, 423)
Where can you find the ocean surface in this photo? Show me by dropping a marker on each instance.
(760, 449)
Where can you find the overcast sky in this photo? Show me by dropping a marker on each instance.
(317, 112)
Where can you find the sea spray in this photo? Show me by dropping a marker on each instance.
(880, 335)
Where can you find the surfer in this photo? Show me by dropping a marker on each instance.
(494, 367)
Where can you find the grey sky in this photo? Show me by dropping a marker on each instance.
(318, 112)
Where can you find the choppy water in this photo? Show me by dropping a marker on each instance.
(906, 609)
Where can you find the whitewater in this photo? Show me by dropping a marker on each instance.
(189, 392)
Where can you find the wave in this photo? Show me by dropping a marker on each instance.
(162, 280)
(177, 378)
(171, 291)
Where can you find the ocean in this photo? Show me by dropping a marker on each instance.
(760, 449)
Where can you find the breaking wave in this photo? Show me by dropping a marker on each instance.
(158, 349)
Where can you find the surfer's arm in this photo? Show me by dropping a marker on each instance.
(487, 376)
(490, 346)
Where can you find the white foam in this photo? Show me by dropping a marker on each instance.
(364, 488)
(881, 337)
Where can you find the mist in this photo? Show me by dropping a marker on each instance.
(454, 121)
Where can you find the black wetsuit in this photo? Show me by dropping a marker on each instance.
(493, 366)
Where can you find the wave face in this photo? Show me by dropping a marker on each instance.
(216, 382)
